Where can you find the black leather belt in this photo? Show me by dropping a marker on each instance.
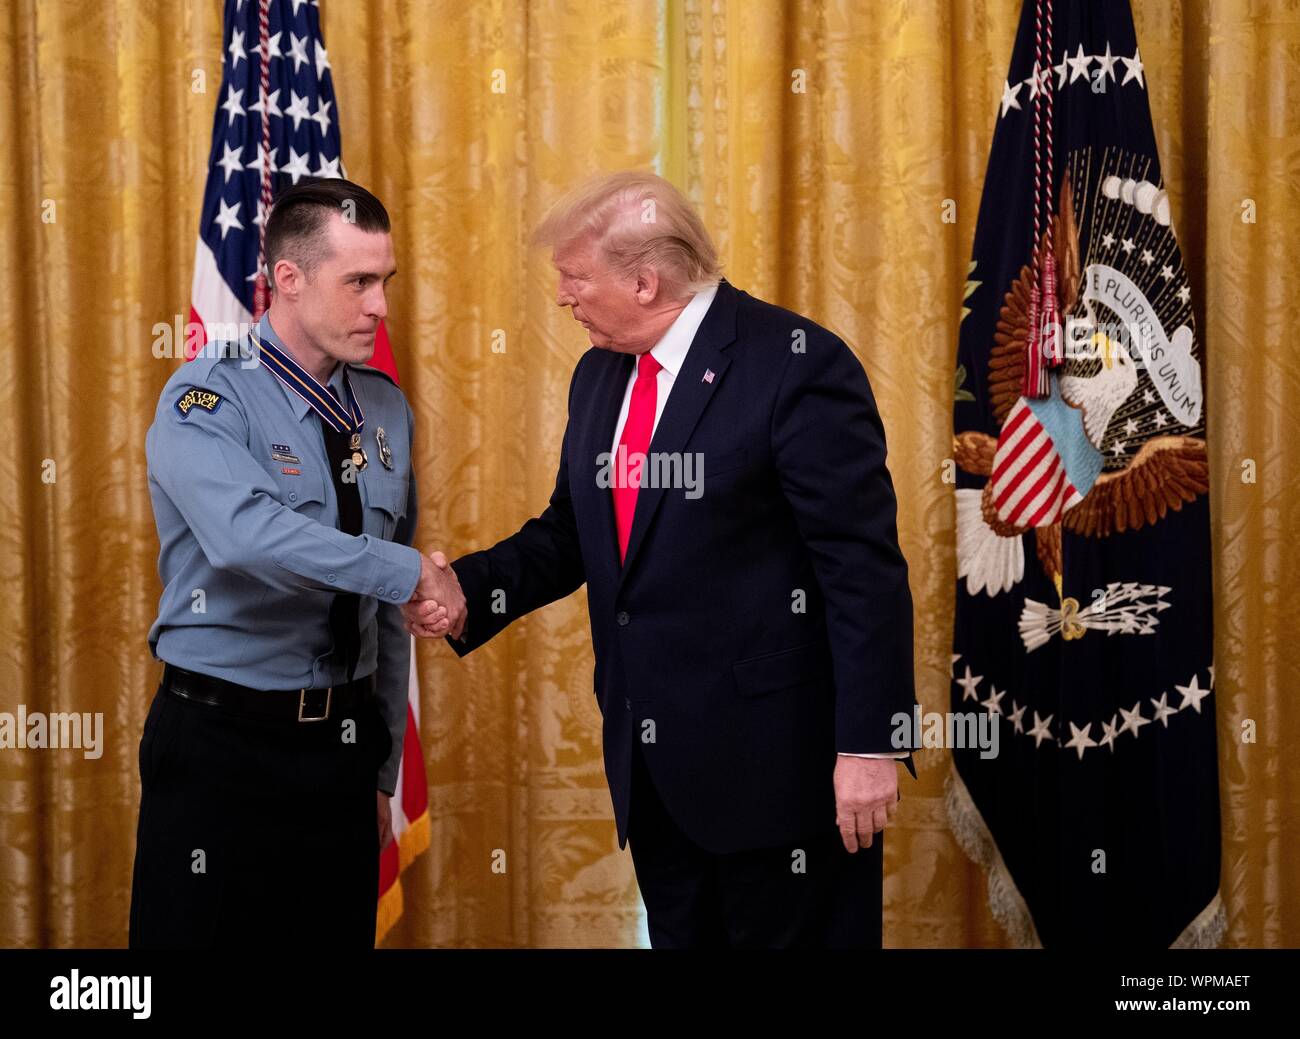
(290, 705)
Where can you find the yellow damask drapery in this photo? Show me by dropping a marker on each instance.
(467, 119)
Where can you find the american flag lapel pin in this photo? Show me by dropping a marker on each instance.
(708, 376)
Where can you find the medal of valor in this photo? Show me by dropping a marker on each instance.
(385, 452)
(358, 455)
(337, 416)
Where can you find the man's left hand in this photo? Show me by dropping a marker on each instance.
(866, 798)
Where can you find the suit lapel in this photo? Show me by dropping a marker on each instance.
(690, 395)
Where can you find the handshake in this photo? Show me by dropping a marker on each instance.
(437, 607)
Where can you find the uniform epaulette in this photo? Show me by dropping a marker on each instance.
(369, 370)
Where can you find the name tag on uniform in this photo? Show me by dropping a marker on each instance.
(197, 398)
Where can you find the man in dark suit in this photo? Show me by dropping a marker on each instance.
(722, 491)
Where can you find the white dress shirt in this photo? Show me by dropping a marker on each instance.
(671, 352)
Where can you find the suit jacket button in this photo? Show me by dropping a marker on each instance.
(622, 618)
(629, 703)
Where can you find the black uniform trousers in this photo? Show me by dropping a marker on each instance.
(808, 894)
(256, 830)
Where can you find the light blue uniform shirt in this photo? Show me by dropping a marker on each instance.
(251, 555)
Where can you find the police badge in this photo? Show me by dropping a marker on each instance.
(385, 452)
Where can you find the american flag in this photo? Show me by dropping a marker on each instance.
(276, 123)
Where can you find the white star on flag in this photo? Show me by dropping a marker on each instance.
(328, 168)
(297, 109)
(1107, 63)
(272, 105)
(229, 161)
(1079, 739)
(1079, 64)
(1040, 731)
(1134, 66)
(260, 161)
(232, 107)
(1133, 719)
(1009, 96)
(296, 166)
(322, 116)
(1163, 710)
(1109, 734)
(970, 685)
(274, 47)
(236, 48)
(994, 703)
(1193, 694)
(1062, 71)
(298, 50)
(228, 217)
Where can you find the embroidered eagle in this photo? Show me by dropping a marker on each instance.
(1137, 475)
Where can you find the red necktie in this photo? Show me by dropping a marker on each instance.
(635, 440)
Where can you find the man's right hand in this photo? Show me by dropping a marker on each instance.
(438, 606)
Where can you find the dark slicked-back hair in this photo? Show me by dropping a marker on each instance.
(296, 228)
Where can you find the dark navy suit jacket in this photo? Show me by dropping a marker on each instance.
(754, 630)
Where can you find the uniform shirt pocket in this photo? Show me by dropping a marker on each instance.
(384, 497)
(302, 488)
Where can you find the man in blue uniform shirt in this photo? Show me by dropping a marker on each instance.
(285, 503)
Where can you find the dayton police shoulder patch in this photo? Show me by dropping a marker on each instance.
(195, 397)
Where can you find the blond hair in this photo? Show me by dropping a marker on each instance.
(638, 220)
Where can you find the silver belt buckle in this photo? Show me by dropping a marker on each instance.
(302, 705)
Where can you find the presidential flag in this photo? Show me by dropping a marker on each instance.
(276, 123)
(1084, 599)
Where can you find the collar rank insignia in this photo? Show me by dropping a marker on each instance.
(197, 398)
(385, 452)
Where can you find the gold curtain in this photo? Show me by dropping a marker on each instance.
(820, 140)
